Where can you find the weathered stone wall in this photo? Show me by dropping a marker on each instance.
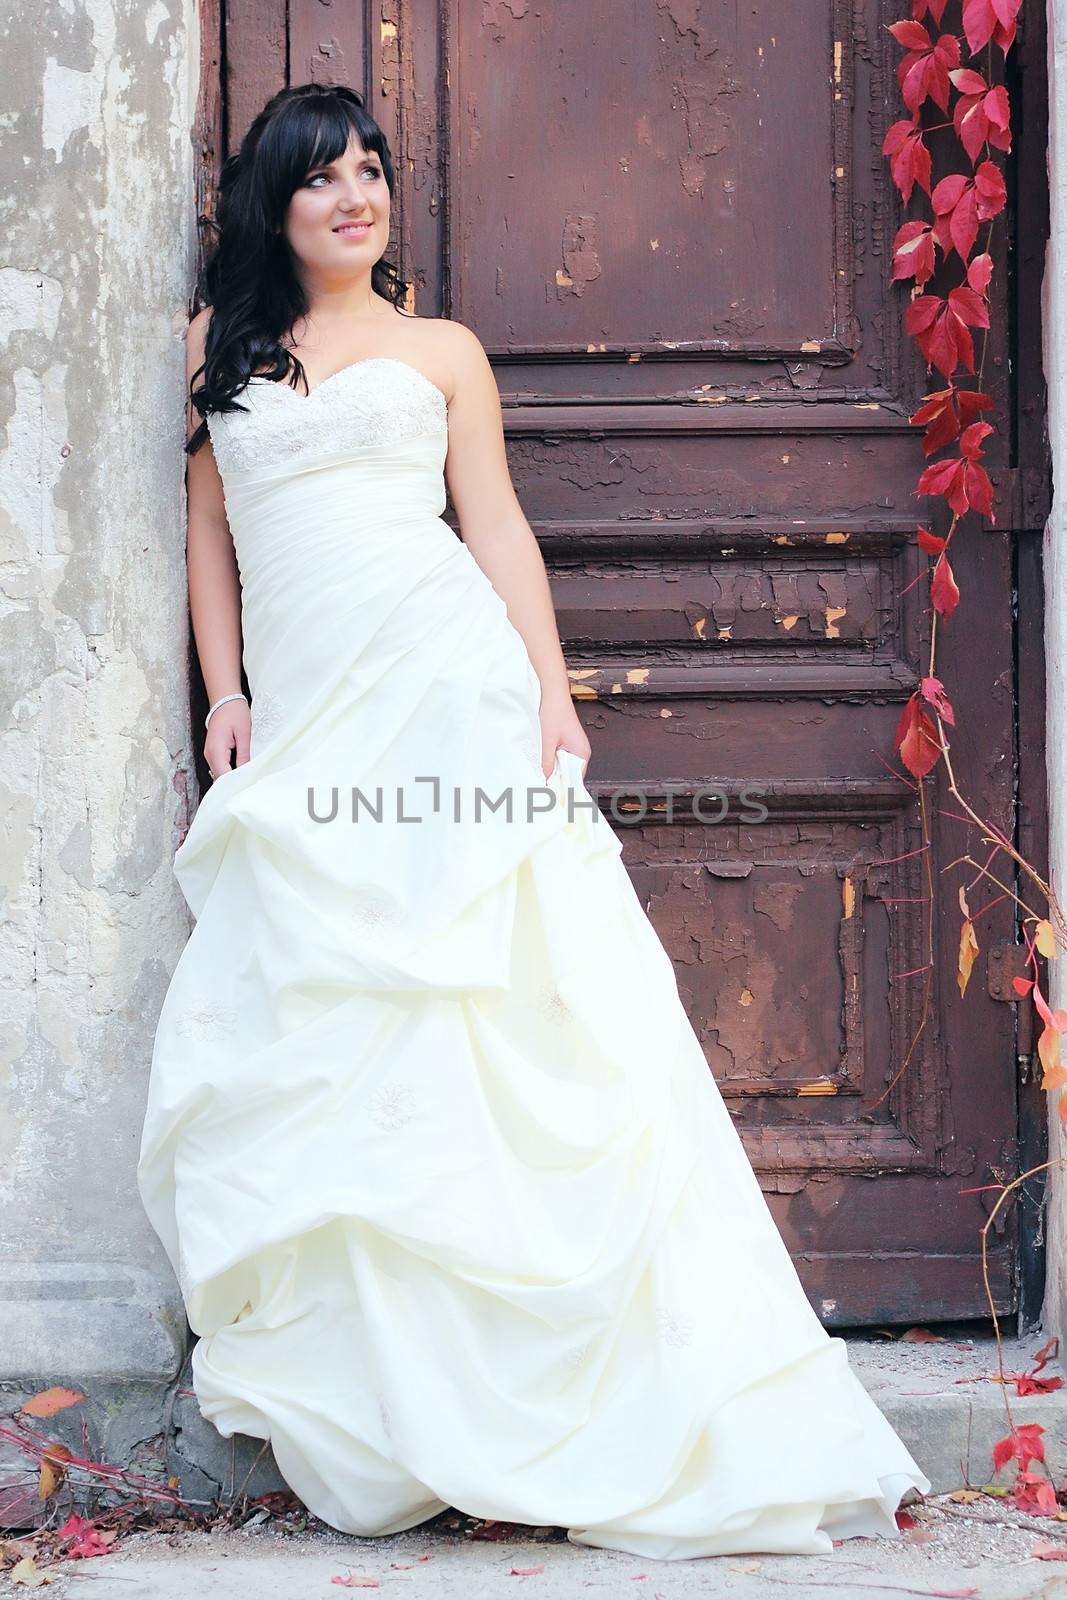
(97, 261)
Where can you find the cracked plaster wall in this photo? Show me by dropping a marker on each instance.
(97, 259)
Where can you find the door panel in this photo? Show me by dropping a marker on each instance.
(669, 225)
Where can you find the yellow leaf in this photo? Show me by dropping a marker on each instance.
(26, 1571)
(968, 951)
(1046, 940)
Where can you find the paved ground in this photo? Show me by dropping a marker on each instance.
(963, 1550)
(940, 1395)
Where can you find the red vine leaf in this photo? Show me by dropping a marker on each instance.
(936, 8)
(979, 272)
(969, 306)
(1035, 1495)
(939, 327)
(930, 542)
(991, 189)
(927, 320)
(1024, 1444)
(944, 594)
(982, 115)
(990, 19)
(916, 738)
(956, 214)
(961, 482)
(971, 440)
(933, 692)
(923, 72)
(961, 203)
(944, 413)
(913, 252)
(909, 158)
(1029, 1383)
(1051, 1019)
(911, 35)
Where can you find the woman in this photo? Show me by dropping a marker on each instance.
(456, 1207)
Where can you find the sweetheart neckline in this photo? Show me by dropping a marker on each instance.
(364, 361)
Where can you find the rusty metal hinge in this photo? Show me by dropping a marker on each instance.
(1005, 962)
(1022, 499)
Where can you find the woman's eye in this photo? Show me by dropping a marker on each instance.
(375, 172)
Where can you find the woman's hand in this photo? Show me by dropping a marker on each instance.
(230, 729)
(560, 726)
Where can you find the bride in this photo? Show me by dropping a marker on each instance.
(458, 1213)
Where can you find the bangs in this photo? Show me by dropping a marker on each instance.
(323, 130)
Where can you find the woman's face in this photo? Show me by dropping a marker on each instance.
(338, 219)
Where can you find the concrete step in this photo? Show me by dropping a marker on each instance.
(942, 1400)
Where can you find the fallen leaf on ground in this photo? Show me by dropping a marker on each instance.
(1046, 1551)
(26, 1571)
(49, 1401)
(526, 1572)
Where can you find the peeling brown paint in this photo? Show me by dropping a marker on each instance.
(778, 901)
(580, 251)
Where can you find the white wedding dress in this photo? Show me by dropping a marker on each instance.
(454, 1202)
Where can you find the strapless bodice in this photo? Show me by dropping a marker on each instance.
(379, 400)
(332, 499)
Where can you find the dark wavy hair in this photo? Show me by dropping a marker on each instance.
(248, 279)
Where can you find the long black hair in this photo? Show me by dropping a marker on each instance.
(248, 279)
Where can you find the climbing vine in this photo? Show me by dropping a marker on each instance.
(943, 253)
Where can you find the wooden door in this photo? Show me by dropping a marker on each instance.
(669, 225)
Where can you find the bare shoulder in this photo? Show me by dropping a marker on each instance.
(458, 342)
(460, 355)
(195, 341)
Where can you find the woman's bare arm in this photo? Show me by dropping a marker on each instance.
(214, 582)
(498, 535)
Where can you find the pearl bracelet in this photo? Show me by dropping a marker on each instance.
(238, 696)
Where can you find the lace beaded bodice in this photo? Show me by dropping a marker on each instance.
(374, 401)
